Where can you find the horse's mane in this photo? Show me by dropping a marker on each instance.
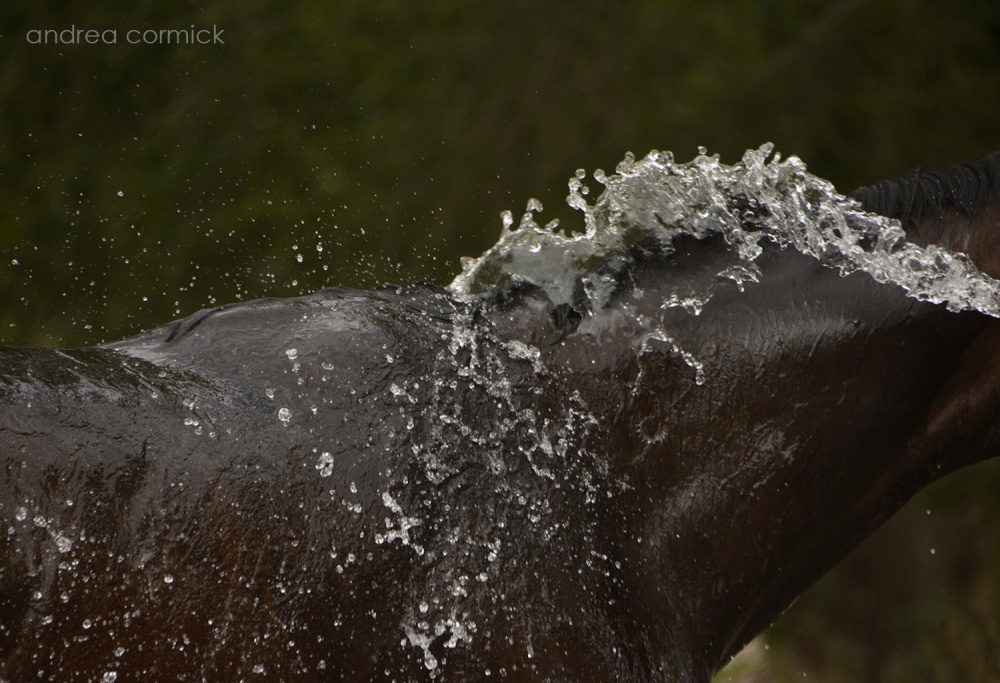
(969, 187)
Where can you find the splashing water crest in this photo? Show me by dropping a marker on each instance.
(761, 197)
(652, 200)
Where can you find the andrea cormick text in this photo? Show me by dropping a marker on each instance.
(133, 36)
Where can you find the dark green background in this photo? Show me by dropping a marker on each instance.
(141, 183)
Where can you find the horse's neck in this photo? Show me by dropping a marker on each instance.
(827, 402)
(977, 236)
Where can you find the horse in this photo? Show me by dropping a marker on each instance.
(623, 472)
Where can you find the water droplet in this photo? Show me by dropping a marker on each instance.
(325, 464)
(20, 514)
(109, 676)
(285, 415)
(168, 578)
(63, 544)
(292, 353)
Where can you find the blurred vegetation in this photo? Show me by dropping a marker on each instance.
(362, 141)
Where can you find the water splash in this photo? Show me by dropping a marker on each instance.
(762, 197)
(474, 417)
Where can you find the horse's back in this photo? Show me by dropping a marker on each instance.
(191, 500)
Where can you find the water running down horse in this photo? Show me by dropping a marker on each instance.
(612, 456)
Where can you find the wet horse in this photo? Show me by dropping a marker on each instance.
(403, 484)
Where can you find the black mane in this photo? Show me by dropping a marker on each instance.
(968, 187)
